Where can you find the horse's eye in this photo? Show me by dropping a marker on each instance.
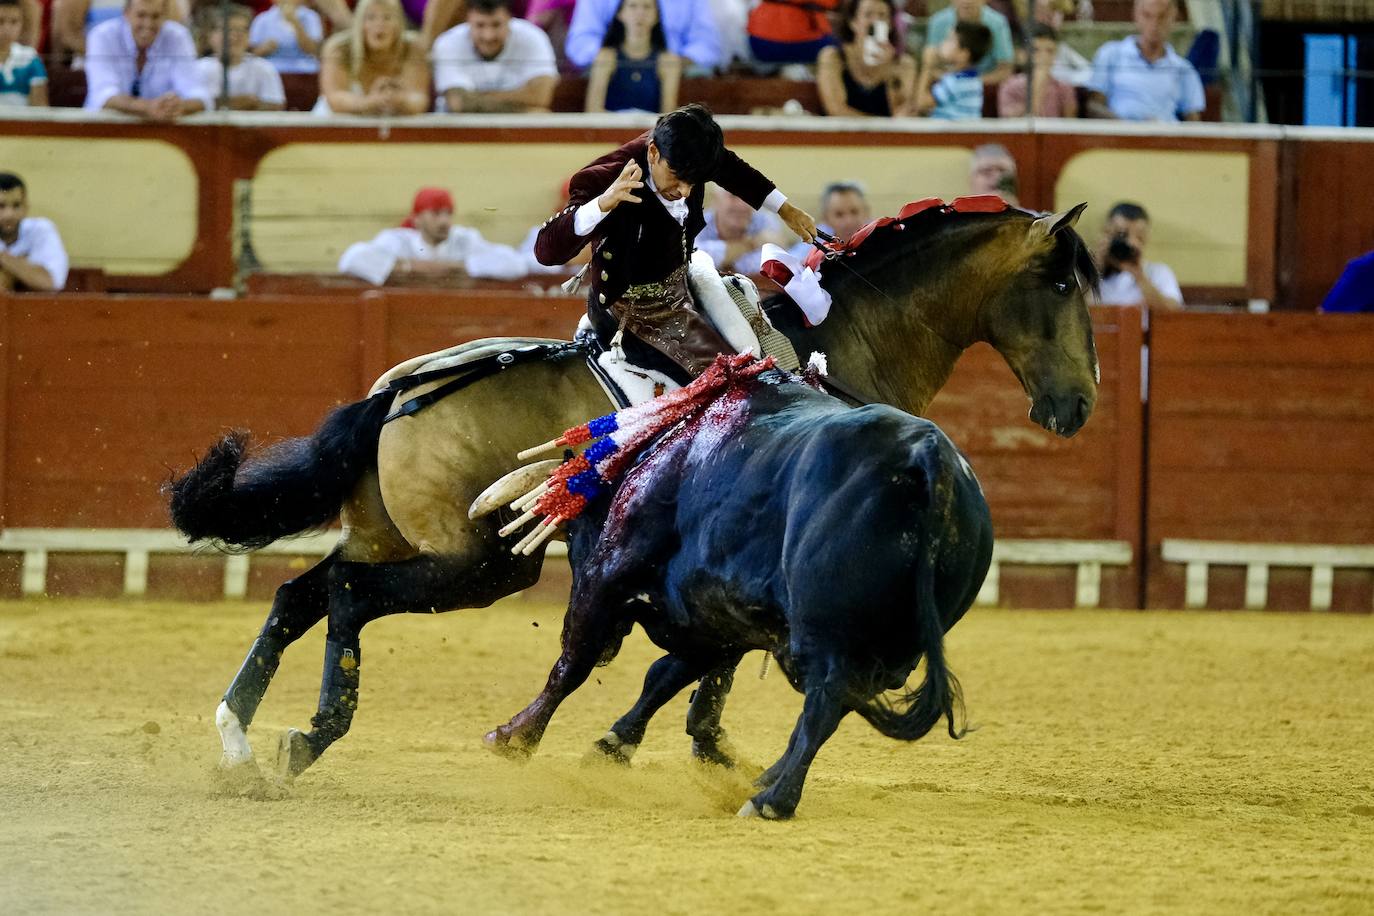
(1062, 287)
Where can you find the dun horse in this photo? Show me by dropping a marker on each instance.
(905, 308)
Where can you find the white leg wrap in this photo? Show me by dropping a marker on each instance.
(232, 736)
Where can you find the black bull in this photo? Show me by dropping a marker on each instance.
(845, 542)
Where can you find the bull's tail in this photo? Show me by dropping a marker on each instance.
(914, 713)
(242, 502)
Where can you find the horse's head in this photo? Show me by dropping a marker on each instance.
(1040, 322)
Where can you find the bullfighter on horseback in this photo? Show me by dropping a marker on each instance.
(640, 208)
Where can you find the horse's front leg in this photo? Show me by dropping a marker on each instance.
(587, 629)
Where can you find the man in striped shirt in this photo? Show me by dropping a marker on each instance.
(950, 86)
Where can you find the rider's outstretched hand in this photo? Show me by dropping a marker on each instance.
(622, 190)
(799, 221)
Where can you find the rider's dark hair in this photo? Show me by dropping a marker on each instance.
(615, 32)
(1129, 211)
(691, 142)
(9, 181)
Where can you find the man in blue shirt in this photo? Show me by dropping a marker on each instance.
(1142, 78)
(1354, 291)
(993, 66)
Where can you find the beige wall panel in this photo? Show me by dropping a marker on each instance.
(1198, 204)
(311, 201)
(126, 206)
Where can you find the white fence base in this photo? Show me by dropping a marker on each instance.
(1323, 559)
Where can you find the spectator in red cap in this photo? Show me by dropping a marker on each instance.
(427, 243)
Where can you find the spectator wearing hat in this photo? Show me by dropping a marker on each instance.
(427, 243)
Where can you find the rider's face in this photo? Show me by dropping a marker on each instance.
(668, 184)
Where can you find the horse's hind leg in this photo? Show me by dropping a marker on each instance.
(360, 593)
(665, 679)
(299, 604)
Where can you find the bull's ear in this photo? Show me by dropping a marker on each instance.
(1046, 226)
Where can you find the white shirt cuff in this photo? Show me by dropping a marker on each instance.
(587, 217)
(774, 201)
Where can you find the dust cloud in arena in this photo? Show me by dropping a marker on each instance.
(1123, 762)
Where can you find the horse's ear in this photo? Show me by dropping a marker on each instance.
(1046, 226)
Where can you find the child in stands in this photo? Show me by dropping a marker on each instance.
(950, 86)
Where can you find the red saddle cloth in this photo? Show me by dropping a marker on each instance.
(978, 203)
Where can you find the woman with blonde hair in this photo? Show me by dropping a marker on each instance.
(375, 67)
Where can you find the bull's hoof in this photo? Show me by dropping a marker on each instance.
(765, 811)
(294, 755)
(499, 742)
(712, 753)
(612, 749)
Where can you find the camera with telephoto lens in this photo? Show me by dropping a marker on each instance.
(1122, 250)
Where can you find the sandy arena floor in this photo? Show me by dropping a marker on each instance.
(1125, 762)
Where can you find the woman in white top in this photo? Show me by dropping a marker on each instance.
(374, 68)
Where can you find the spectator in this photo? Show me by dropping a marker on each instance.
(288, 37)
(143, 65)
(735, 232)
(72, 21)
(31, 252)
(1127, 278)
(1069, 66)
(950, 86)
(375, 67)
(493, 62)
(992, 170)
(253, 84)
(428, 244)
(1050, 98)
(687, 25)
(790, 31)
(866, 76)
(844, 211)
(1354, 291)
(23, 81)
(994, 65)
(1142, 78)
(635, 71)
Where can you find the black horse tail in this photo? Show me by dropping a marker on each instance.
(243, 502)
(914, 713)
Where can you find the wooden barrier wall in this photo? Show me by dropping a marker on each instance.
(1214, 193)
(1261, 429)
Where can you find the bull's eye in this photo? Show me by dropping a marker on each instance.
(1062, 287)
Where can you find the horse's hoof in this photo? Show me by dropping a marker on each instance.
(499, 743)
(294, 755)
(767, 812)
(611, 748)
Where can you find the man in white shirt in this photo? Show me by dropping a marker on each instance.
(428, 243)
(1142, 78)
(31, 252)
(1127, 278)
(143, 65)
(493, 62)
(735, 233)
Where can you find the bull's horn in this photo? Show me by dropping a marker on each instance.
(512, 486)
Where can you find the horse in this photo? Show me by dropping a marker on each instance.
(846, 542)
(905, 307)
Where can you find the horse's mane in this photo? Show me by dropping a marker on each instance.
(885, 245)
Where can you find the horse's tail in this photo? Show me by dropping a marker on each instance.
(915, 712)
(244, 502)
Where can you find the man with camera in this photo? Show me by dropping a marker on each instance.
(1127, 278)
